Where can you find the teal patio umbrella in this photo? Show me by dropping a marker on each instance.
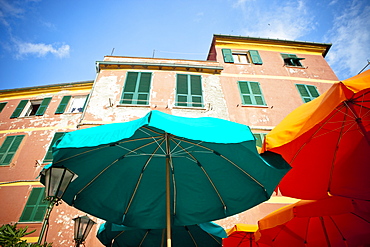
(162, 170)
(201, 235)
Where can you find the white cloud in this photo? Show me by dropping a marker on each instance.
(11, 10)
(350, 36)
(40, 49)
(282, 20)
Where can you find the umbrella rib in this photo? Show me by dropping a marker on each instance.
(338, 229)
(284, 228)
(79, 154)
(214, 238)
(156, 132)
(205, 173)
(140, 177)
(105, 146)
(174, 187)
(359, 122)
(335, 153)
(362, 218)
(191, 236)
(145, 235)
(107, 167)
(314, 134)
(245, 236)
(225, 158)
(114, 239)
(325, 231)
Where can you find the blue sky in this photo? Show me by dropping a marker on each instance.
(52, 41)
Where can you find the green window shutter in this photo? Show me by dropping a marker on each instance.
(2, 105)
(17, 112)
(49, 154)
(129, 88)
(189, 91)
(291, 59)
(9, 148)
(35, 208)
(44, 104)
(284, 56)
(228, 55)
(182, 90)
(245, 93)
(143, 88)
(196, 90)
(307, 92)
(251, 93)
(137, 88)
(313, 91)
(63, 105)
(256, 58)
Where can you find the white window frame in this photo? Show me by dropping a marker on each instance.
(241, 57)
(76, 104)
(28, 108)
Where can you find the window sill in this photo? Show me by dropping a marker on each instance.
(68, 113)
(132, 105)
(32, 116)
(189, 107)
(295, 67)
(29, 222)
(254, 106)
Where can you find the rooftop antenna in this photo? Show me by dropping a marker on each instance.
(112, 52)
(368, 63)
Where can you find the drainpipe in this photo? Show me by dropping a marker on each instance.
(89, 97)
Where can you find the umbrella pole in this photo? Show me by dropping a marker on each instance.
(168, 192)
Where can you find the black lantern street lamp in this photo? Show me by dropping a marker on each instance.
(56, 181)
(83, 227)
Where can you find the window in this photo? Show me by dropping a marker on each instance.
(307, 92)
(77, 104)
(136, 89)
(241, 56)
(259, 138)
(73, 104)
(49, 154)
(27, 108)
(251, 93)
(2, 105)
(9, 148)
(291, 60)
(36, 206)
(189, 91)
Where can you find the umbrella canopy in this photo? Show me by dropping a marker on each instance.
(201, 235)
(241, 235)
(327, 143)
(121, 170)
(185, 170)
(334, 221)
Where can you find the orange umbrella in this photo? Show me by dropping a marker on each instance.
(334, 221)
(327, 142)
(241, 235)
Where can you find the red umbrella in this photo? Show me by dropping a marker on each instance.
(334, 221)
(241, 235)
(327, 143)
